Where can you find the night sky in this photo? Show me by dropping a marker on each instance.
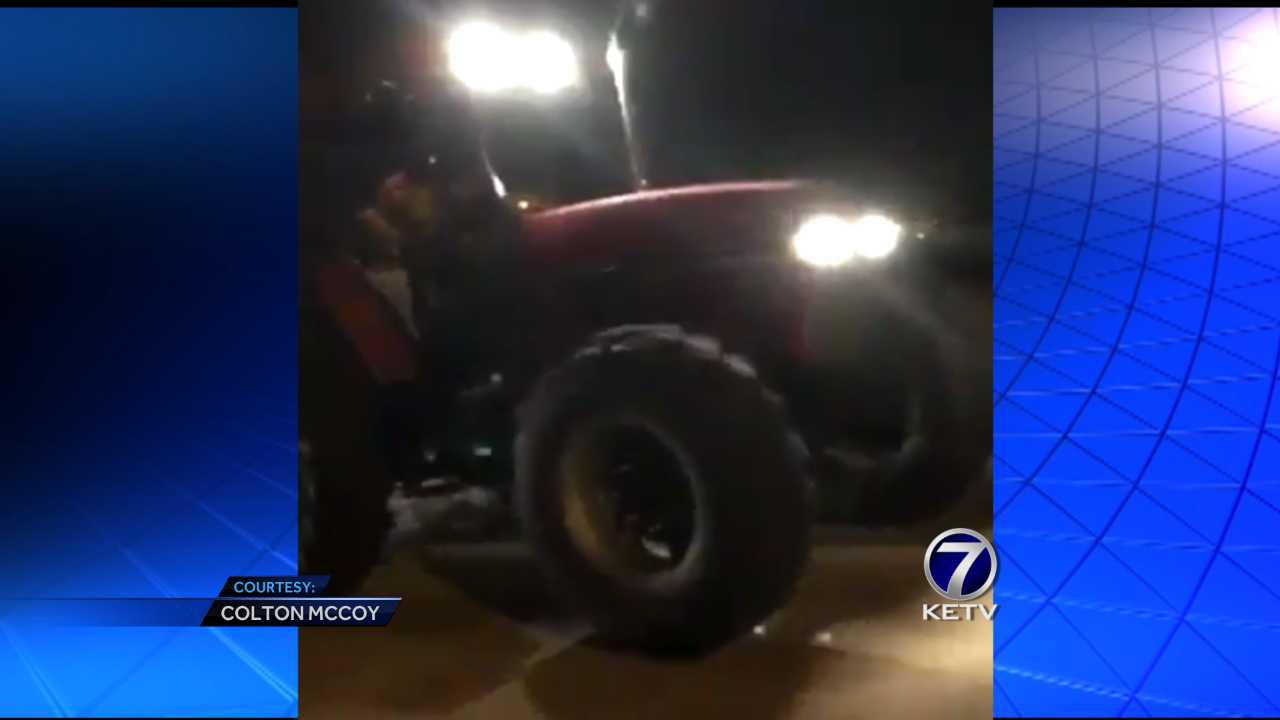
(891, 95)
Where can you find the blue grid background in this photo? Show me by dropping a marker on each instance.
(1137, 340)
(149, 197)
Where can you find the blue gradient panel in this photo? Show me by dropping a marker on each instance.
(1137, 338)
(149, 231)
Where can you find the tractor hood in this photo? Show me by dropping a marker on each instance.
(742, 218)
(737, 219)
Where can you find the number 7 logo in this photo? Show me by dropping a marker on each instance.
(979, 557)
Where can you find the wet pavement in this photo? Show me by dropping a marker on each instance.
(478, 635)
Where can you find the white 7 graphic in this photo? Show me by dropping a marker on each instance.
(971, 550)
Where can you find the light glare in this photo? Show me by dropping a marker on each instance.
(481, 55)
(613, 57)
(548, 62)
(1260, 59)
(875, 236)
(489, 60)
(830, 241)
(823, 240)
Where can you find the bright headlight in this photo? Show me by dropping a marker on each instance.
(549, 63)
(481, 56)
(830, 240)
(488, 59)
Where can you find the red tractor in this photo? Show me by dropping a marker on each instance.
(669, 385)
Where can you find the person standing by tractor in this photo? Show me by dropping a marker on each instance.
(448, 211)
(379, 254)
(359, 359)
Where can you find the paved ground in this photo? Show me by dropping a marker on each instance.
(478, 637)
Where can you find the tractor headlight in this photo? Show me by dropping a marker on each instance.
(550, 63)
(831, 240)
(488, 59)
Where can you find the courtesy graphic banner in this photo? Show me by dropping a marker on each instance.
(243, 602)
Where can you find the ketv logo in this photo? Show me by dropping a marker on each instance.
(960, 565)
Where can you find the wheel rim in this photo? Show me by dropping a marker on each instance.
(629, 499)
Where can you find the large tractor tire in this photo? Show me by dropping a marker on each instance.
(935, 382)
(944, 450)
(660, 486)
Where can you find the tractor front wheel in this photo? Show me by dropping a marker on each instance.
(660, 486)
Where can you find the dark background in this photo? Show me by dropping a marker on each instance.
(891, 97)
